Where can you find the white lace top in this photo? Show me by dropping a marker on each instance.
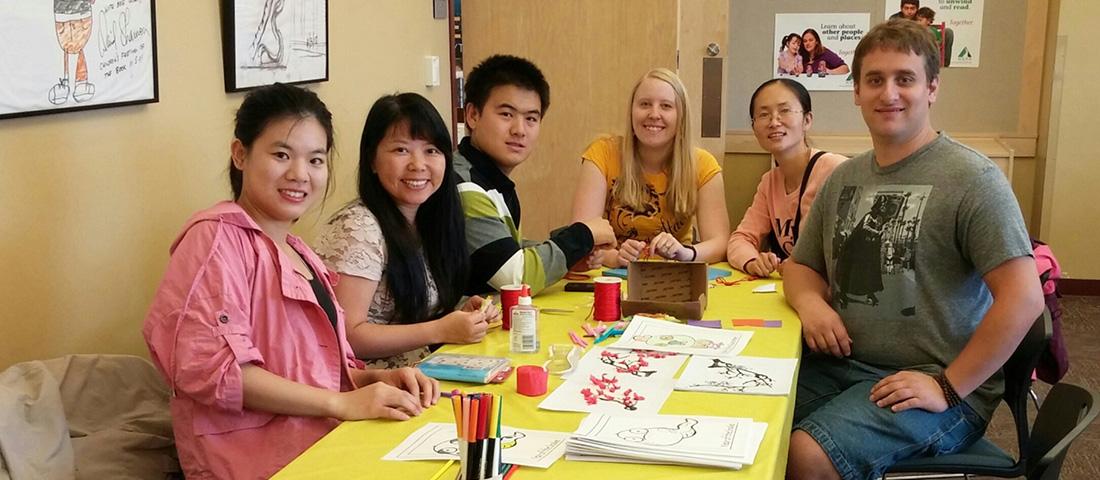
(352, 244)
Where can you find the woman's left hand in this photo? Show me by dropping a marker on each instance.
(667, 246)
(475, 302)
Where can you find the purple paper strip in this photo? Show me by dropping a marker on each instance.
(773, 323)
(706, 323)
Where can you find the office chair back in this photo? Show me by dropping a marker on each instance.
(1017, 372)
(1066, 412)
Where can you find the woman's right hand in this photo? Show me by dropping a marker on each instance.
(377, 400)
(463, 327)
(763, 265)
(630, 251)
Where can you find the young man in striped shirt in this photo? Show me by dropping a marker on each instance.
(506, 98)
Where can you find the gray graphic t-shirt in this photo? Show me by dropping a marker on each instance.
(904, 249)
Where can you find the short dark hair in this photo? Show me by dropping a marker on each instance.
(271, 103)
(500, 70)
(899, 35)
(925, 12)
(438, 232)
(911, 2)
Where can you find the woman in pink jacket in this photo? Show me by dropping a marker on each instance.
(781, 115)
(244, 327)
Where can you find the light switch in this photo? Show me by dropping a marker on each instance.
(431, 72)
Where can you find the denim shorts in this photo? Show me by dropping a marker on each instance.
(862, 439)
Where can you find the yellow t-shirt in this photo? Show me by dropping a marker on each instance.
(605, 154)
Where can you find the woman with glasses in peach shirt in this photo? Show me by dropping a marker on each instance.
(781, 114)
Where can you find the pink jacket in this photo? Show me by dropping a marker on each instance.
(226, 300)
(773, 209)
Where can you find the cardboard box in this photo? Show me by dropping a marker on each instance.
(676, 288)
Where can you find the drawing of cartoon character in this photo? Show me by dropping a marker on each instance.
(450, 447)
(267, 43)
(661, 436)
(73, 23)
(678, 341)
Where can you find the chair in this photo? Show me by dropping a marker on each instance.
(983, 457)
(1067, 411)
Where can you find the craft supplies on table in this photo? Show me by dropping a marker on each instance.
(464, 368)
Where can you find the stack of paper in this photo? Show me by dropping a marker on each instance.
(667, 439)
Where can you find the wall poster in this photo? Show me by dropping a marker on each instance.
(65, 55)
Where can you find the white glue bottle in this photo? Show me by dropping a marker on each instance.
(525, 324)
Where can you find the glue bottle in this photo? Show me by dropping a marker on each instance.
(525, 324)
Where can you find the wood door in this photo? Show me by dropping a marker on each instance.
(592, 52)
(705, 23)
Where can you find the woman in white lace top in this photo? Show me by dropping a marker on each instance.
(400, 248)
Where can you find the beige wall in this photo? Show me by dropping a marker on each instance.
(742, 172)
(1070, 211)
(91, 200)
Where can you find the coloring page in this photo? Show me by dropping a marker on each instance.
(617, 381)
(645, 333)
(437, 441)
(676, 438)
(753, 375)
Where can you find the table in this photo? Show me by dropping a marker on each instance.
(355, 449)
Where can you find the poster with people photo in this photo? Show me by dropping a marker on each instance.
(955, 24)
(816, 48)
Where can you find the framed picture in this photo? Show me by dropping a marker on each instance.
(268, 41)
(68, 55)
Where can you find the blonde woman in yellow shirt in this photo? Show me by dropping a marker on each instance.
(653, 184)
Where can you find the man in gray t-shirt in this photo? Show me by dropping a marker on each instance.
(912, 277)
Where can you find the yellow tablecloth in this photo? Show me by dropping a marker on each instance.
(355, 449)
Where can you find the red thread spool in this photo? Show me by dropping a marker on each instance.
(608, 302)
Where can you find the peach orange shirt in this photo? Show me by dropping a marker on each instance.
(605, 154)
(773, 209)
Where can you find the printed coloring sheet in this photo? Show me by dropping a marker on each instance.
(438, 441)
(617, 381)
(752, 375)
(666, 437)
(660, 335)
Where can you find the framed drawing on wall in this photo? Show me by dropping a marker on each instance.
(268, 41)
(67, 55)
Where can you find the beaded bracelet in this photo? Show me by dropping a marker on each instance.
(949, 392)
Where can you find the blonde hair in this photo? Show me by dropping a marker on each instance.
(681, 195)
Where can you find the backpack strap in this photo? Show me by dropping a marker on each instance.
(801, 192)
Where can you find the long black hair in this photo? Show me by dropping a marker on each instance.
(439, 229)
(271, 103)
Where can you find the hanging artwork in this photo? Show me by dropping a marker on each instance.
(269, 41)
(956, 26)
(816, 49)
(69, 55)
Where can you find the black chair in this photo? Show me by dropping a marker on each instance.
(1067, 411)
(985, 458)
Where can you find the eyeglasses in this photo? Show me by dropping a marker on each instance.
(766, 116)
